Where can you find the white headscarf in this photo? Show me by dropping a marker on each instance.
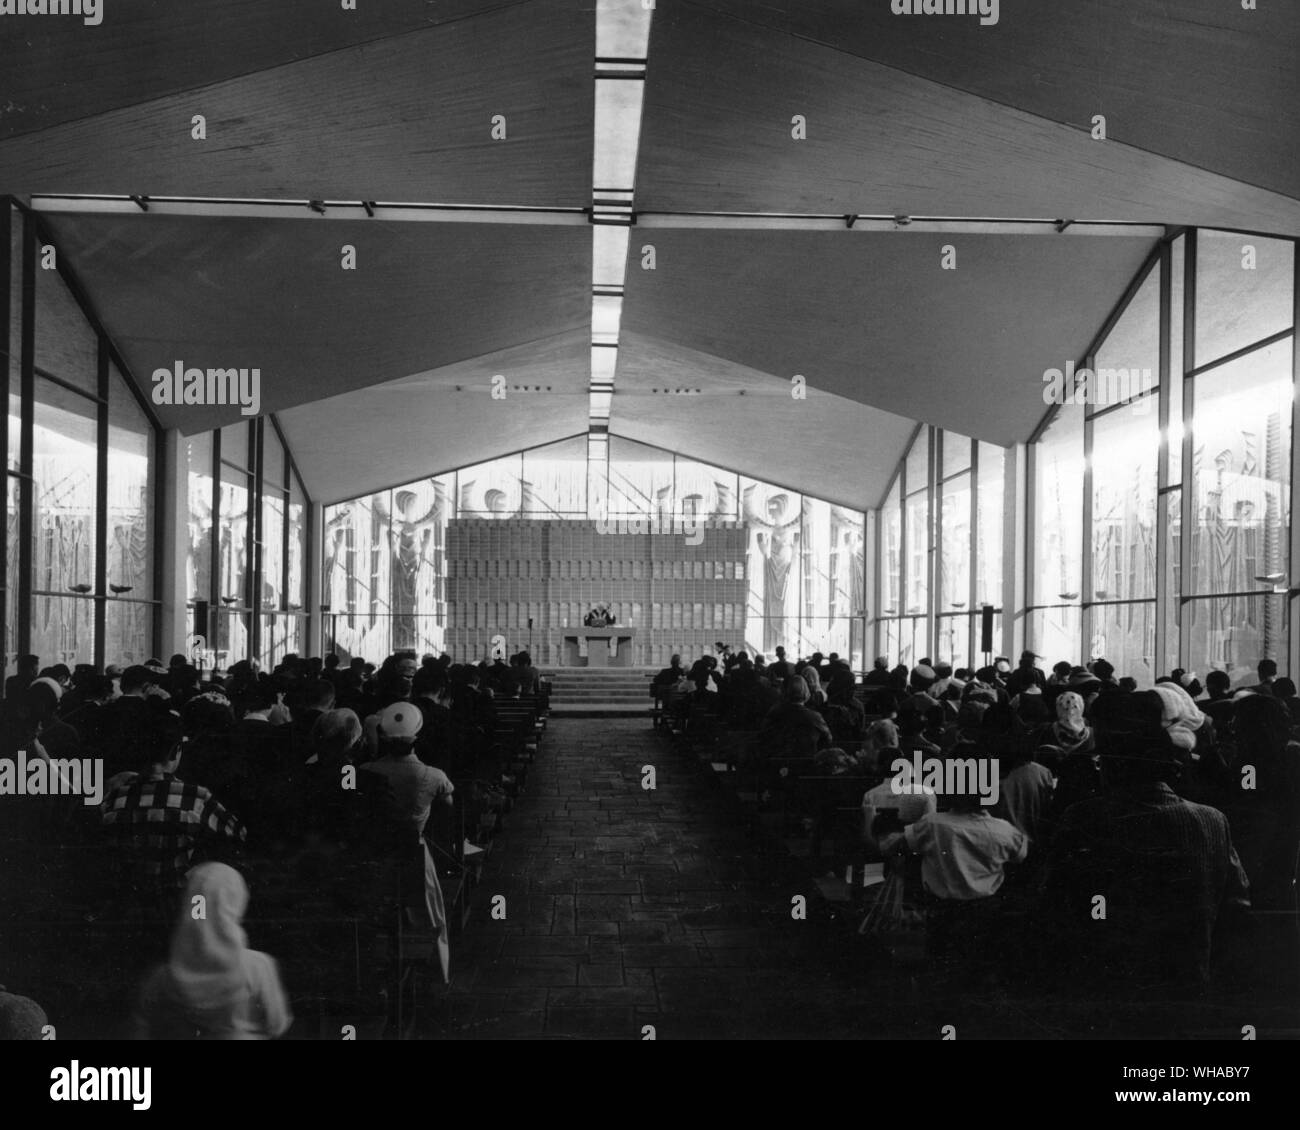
(1180, 715)
(209, 952)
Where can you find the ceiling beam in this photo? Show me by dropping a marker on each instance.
(452, 214)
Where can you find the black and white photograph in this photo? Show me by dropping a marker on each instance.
(727, 521)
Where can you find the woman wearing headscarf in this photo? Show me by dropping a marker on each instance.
(816, 696)
(1180, 716)
(1070, 733)
(880, 746)
(1079, 776)
(842, 711)
(212, 986)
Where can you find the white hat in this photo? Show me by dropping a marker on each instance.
(400, 720)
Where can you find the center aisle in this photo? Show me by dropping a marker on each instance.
(627, 907)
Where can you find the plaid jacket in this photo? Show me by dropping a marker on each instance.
(160, 819)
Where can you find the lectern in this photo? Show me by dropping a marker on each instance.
(598, 647)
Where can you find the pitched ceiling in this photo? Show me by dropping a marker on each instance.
(873, 317)
(380, 107)
(742, 419)
(383, 374)
(940, 117)
(1203, 82)
(403, 430)
(272, 294)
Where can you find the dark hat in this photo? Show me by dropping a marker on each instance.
(1102, 668)
(1082, 677)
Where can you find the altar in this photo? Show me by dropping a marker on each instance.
(598, 647)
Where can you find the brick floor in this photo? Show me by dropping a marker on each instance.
(627, 907)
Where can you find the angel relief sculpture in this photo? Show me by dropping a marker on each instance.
(777, 539)
(413, 532)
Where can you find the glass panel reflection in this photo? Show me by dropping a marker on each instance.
(65, 500)
(1241, 474)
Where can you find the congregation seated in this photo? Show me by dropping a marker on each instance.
(1065, 788)
(1102, 788)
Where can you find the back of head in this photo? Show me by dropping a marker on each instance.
(795, 691)
(1142, 755)
(257, 695)
(156, 741)
(428, 681)
(336, 732)
(21, 1018)
(136, 678)
(318, 695)
(922, 678)
(840, 687)
(1218, 683)
(1261, 725)
(1267, 669)
(40, 700)
(97, 688)
(207, 714)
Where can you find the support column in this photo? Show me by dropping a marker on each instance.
(869, 598)
(1015, 550)
(1291, 661)
(318, 641)
(174, 627)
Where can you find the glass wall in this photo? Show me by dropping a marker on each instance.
(1141, 458)
(805, 569)
(945, 505)
(249, 519)
(80, 463)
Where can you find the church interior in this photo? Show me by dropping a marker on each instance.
(547, 513)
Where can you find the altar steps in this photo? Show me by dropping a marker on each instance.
(578, 692)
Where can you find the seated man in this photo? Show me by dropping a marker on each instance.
(964, 854)
(159, 820)
(1166, 868)
(670, 674)
(900, 799)
(790, 729)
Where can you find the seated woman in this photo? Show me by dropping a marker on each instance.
(213, 987)
(842, 711)
(791, 729)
